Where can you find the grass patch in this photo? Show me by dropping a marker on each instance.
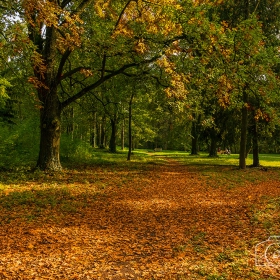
(46, 203)
(267, 215)
(268, 160)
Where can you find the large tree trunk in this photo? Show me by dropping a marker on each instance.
(244, 127)
(213, 147)
(50, 126)
(50, 112)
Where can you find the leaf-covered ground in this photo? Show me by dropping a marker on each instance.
(161, 221)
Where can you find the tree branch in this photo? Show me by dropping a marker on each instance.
(122, 13)
(71, 72)
(102, 80)
(61, 64)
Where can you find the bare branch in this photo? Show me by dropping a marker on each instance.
(72, 72)
(122, 13)
(62, 63)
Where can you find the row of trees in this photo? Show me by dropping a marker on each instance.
(176, 74)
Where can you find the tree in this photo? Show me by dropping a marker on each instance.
(62, 52)
(256, 24)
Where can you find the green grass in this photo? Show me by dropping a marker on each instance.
(268, 160)
(102, 157)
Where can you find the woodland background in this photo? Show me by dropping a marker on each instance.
(85, 83)
(180, 75)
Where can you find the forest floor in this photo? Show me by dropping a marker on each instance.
(158, 221)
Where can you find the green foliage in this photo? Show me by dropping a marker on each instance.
(75, 149)
(19, 144)
(215, 51)
(216, 277)
(3, 94)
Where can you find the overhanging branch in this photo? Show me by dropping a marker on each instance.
(103, 79)
(72, 72)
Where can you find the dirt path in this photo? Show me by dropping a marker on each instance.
(163, 223)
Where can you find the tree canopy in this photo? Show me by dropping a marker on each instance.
(204, 68)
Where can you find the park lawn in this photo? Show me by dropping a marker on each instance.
(162, 216)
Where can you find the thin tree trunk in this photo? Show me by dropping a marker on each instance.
(256, 160)
(123, 134)
(129, 128)
(244, 127)
(244, 117)
(113, 145)
(93, 134)
(102, 134)
(195, 135)
(94, 130)
(72, 123)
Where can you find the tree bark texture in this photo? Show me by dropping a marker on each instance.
(213, 147)
(50, 130)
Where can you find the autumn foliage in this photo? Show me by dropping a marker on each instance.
(152, 222)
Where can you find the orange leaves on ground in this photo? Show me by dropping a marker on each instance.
(167, 222)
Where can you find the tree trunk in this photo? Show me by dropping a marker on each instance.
(94, 132)
(195, 135)
(130, 142)
(69, 113)
(244, 117)
(50, 112)
(102, 144)
(50, 126)
(213, 147)
(256, 160)
(248, 143)
(123, 134)
(244, 127)
(100, 135)
(113, 145)
(194, 145)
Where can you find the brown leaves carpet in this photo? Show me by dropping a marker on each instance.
(162, 222)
